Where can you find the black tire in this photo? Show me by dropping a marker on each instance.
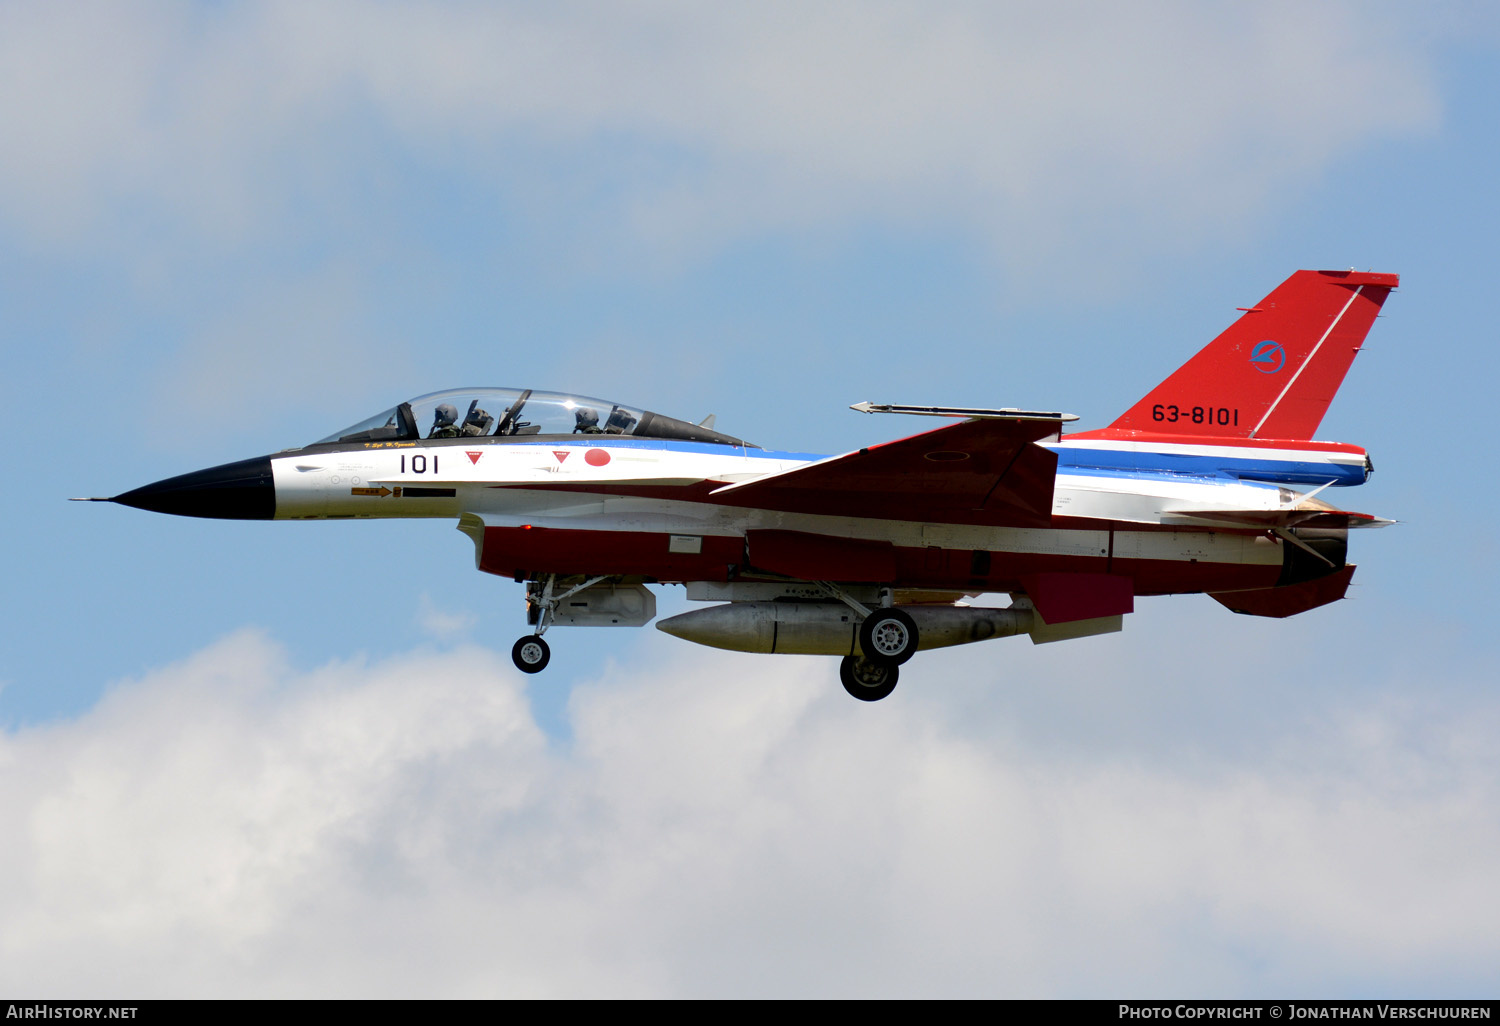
(889, 634)
(530, 654)
(868, 680)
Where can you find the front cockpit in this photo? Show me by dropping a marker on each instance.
(510, 412)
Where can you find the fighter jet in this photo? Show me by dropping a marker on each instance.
(1209, 484)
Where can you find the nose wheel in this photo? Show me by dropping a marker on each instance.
(531, 654)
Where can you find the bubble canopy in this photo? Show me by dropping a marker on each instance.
(516, 412)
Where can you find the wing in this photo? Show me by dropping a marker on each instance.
(979, 471)
(1274, 519)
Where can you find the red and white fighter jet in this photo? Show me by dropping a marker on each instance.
(1211, 483)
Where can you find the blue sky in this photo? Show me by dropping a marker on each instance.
(293, 759)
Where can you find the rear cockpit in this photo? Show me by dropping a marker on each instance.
(516, 413)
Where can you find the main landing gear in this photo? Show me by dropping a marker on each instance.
(531, 654)
(868, 680)
(888, 637)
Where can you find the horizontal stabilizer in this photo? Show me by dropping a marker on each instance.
(978, 472)
(1289, 600)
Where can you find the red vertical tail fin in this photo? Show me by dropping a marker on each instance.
(1273, 372)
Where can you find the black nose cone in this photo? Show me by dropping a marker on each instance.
(234, 491)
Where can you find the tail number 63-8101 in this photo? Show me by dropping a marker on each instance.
(1172, 414)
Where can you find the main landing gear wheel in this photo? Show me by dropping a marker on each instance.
(888, 634)
(531, 654)
(868, 680)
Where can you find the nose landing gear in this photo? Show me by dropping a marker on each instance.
(531, 654)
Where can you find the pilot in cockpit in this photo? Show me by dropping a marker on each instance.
(586, 421)
(477, 423)
(620, 422)
(443, 422)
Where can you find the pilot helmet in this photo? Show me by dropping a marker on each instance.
(444, 415)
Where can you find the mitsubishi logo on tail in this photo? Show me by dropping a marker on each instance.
(1268, 357)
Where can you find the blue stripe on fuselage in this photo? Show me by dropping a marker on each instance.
(1117, 463)
(1111, 462)
(1079, 461)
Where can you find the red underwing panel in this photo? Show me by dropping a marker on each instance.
(1063, 598)
(817, 557)
(979, 471)
(524, 550)
(1078, 583)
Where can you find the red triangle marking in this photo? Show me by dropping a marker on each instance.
(473, 456)
(561, 454)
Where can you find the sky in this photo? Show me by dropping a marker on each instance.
(293, 759)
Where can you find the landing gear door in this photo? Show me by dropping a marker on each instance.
(607, 605)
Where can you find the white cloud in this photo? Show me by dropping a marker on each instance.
(443, 623)
(674, 124)
(719, 825)
(305, 343)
